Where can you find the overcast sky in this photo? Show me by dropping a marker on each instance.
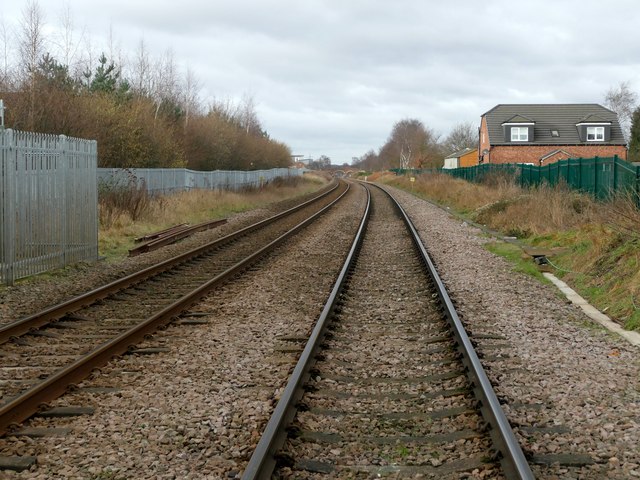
(332, 76)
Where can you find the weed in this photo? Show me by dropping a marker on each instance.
(403, 451)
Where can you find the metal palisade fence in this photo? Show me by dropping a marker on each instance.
(601, 177)
(48, 203)
(169, 180)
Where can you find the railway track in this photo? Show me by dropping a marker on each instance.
(388, 382)
(46, 353)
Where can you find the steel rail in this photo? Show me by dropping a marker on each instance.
(39, 319)
(30, 402)
(512, 458)
(160, 233)
(174, 235)
(262, 460)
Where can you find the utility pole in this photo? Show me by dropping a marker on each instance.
(1, 115)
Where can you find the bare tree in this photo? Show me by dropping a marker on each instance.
(4, 46)
(410, 145)
(247, 116)
(463, 135)
(67, 41)
(191, 91)
(622, 100)
(141, 70)
(31, 47)
(165, 81)
(31, 37)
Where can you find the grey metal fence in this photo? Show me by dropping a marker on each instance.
(168, 180)
(48, 203)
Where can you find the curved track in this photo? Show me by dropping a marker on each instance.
(388, 382)
(45, 353)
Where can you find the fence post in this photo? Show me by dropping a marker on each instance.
(615, 173)
(8, 217)
(64, 192)
(580, 174)
(595, 176)
(93, 152)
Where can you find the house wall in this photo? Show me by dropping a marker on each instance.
(468, 159)
(532, 153)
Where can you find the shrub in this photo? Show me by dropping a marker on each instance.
(116, 198)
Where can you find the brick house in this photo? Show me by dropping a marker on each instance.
(545, 133)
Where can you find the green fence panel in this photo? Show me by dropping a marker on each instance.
(597, 176)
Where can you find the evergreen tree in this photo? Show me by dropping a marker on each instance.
(106, 78)
(634, 137)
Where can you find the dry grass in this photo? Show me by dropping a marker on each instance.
(502, 205)
(116, 236)
(602, 239)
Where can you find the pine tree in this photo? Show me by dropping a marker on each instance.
(634, 137)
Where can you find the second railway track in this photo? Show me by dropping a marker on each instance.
(386, 385)
(46, 352)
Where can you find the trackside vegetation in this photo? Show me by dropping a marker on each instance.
(143, 109)
(127, 213)
(598, 243)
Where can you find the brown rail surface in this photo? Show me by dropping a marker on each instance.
(174, 234)
(73, 338)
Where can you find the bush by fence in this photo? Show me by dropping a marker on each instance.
(599, 176)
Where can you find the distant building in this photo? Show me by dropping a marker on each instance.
(539, 134)
(466, 157)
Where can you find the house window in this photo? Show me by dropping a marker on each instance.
(595, 134)
(519, 134)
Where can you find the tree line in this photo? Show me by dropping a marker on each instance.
(413, 145)
(142, 110)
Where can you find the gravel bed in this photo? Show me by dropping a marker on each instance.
(197, 411)
(559, 368)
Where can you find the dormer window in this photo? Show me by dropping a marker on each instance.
(519, 134)
(518, 128)
(594, 128)
(595, 134)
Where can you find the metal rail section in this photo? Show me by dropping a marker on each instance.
(262, 462)
(173, 235)
(512, 458)
(28, 403)
(26, 324)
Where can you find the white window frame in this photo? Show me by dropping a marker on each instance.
(597, 133)
(519, 134)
